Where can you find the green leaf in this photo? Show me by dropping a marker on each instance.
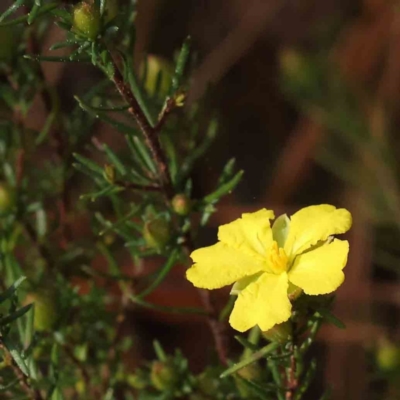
(34, 13)
(161, 275)
(16, 355)
(245, 343)
(306, 381)
(328, 316)
(89, 164)
(12, 9)
(263, 352)
(133, 83)
(15, 315)
(224, 189)
(180, 65)
(11, 290)
(227, 171)
(106, 191)
(118, 164)
(144, 155)
(120, 126)
(161, 355)
(40, 58)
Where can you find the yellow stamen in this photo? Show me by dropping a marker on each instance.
(277, 258)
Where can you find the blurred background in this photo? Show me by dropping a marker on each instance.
(307, 95)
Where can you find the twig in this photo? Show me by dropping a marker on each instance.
(32, 393)
(149, 133)
(166, 111)
(151, 137)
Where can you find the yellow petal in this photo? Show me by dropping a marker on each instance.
(263, 303)
(220, 265)
(251, 233)
(320, 271)
(315, 223)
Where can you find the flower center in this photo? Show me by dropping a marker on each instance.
(277, 258)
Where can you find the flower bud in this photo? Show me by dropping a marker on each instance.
(181, 204)
(7, 198)
(86, 20)
(296, 68)
(279, 333)
(155, 66)
(208, 381)
(137, 380)
(387, 355)
(157, 233)
(45, 309)
(163, 375)
(251, 372)
(109, 173)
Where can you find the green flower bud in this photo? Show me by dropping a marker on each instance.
(86, 20)
(296, 68)
(7, 43)
(208, 381)
(163, 375)
(45, 309)
(251, 372)
(279, 333)
(181, 204)
(7, 198)
(156, 65)
(388, 355)
(157, 233)
(137, 380)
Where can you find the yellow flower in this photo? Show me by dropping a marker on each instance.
(261, 261)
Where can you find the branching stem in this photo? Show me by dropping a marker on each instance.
(151, 137)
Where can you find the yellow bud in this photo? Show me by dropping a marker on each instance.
(7, 198)
(181, 204)
(86, 20)
(388, 355)
(109, 173)
(156, 65)
(45, 309)
(163, 375)
(157, 233)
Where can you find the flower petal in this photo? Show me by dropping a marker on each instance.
(313, 224)
(220, 265)
(263, 303)
(320, 271)
(251, 233)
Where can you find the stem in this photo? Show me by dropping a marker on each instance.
(149, 133)
(151, 137)
(291, 375)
